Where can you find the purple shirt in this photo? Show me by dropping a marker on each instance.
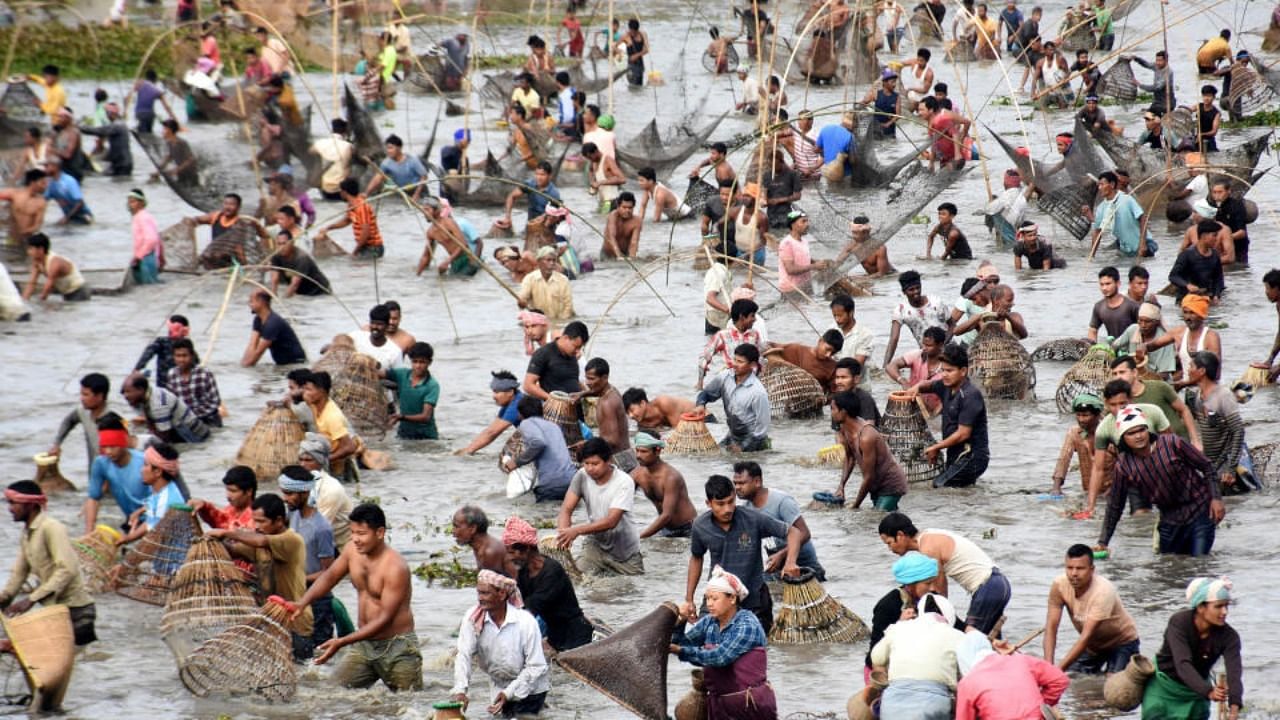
(148, 93)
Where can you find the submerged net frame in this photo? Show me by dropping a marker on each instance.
(252, 657)
(149, 565)
(1119, 83)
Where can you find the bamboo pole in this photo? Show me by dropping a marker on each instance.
(247, 127)
(13, 44)
(335, 48)
(217, 320)
(608, 48)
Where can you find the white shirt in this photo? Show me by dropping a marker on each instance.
(511, 655)
(605, 141)
(919, 649)
(1010, 204)
(718, 280)
(857, 341)
(919, 319)
(336, 153)
(388, 356)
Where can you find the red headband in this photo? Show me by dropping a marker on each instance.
(14, 496)
(178, 330)
(153, 458)
(113, 439)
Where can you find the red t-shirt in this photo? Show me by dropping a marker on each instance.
(940, 127)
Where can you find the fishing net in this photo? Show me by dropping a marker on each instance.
(180, 249)
(203, 190)
(691, 437)
(547, 546)
(1179, 125)
(364, 130)
(729, 65)
(1123, 9)
(1000, 365)
(44, 645)
(1061, 350)
(847, 285)
(150, 564)
(1266, 463)
(21, 106)
(272, 442)
(820, 62)
(357, 389)
(630, 666)
(209, 594)
(1089, 375)
(1119, 83)
(907, 433)
(251, 657)
(961, 51)
(560, 409)
(98, 553)
(808, 615)
(1064, 206)
(1075, 33)
(793, 392)
(651, 149)
(926, 27)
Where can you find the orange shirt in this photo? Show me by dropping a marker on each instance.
(361, 216)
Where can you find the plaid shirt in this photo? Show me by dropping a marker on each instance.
(1175, 477)
(706, 645)
(722, 345)
(199, 392)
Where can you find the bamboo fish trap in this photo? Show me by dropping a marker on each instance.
(1000, 365)
(1119, 83)
(45, 645)
(792, 392)
(180, 249)
(1257, 375)
(559, 408)
(691, 437)
(252, 657)
(1249, 93)
(272, 442)
(847, 286)
(629, 666)
(1089, 375)
(547, 546)
(209, 594)
(49, 477)
(98, 553)
(1061, 350)
(357, 389)
(907, 433)
(148, 567)
(511, 449)
(808, 615)
(831, 456)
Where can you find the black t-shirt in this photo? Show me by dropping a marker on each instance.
(285, 348)
(965, 406)
(451, 158)
(1231, 213)
(1028, 32)
(313, 281)
(1035, 258)
(783, 184)
(551, 597)
(555, 370)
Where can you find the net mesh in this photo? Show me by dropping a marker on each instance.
(150, 564)
(1000, 365)
(1119, 83)
(630, 666)
(252, 657)
(1088, 375)
(1249, 93)
(907, 433)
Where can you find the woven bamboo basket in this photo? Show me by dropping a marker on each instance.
(45, 646)
(629, 666)
(1000, 365)
(1266, 464)
(1089, 375)
(1180, 125)
(512, 448)
(209, 594)
(547, 546)
(252, 657)
(691, 437)
(589, 412)
(847, 286)
(831, 456)
(559, 408)
(1257, 374)
(49, 477)
(792, 392)
(1123, 690)
(693, 706)
(808, 615)
(148, 567)
(98, 553)
(272, 442)
(357, 389)
(906, 431)
(1062, 350)
(1249, 93)
(1119, 83)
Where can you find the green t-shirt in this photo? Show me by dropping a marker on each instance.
(1102, 21)
(1107, 435)
(1162, 395)
(413, 400)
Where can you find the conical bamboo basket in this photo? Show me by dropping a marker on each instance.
(209, 594)
(253, 657)
(1123, 690)
(98, 553)
(45, 645)
(559, 408)
(792, 392)
(1062, 350)
(831, 456)
(357, 389)
(1089, 375)
(1257, 374)
(808, 615)
(691, 437)
(846, 285)
(272, 442)
(1000, 365)
(907, 433)
(148, 567)
(547, 546)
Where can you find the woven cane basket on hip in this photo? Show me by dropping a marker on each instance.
(1089, 375)
(272, 442)
(150, 564)
(792, 392)
(1000, 365)
(907, 433)
(252, 657)
(209, 594)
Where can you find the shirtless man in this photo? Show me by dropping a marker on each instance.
(622, 230)
(453, 242)
(384, 647)
(718, 161)
(665, 202)
(26, 205)
(876, 263)
(665, 488)
(471, 528)
(610, 415)
(395, 333)
(663, 411)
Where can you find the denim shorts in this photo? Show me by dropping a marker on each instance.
(989, 602)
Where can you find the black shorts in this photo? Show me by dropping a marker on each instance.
(82, 623)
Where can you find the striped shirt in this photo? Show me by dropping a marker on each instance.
(723, 343)
(361, 216)
(1221, 429)
(1175, 477)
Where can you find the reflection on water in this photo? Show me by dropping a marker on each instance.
(130, 672)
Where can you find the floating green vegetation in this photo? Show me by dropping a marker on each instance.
(499, 62)
(1262, 118)
(444, 566)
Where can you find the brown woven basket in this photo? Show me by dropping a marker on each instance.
(691, 437)
(630, 666)
(1119, 83)
(49, 476)
(792, 392)
(357, 389)
(560, 409)
(148, 567)
(272, 442)
(252, 657)
(907, 433)
(45, 645)
(846, 285)
(547, 546)
(1061, 350)
(209, 594)
(1089, 375)
(512, 448)
(808, 615)
(1000, 365)
(98, 553)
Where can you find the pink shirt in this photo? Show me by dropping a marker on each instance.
(146, 236)
(797, 251)
(209, 48)
(919, 368)
(1009, 687)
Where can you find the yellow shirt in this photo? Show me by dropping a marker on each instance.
(1213, 51)
(553, 297)
(45, 551)
(528, 99)
(55, 96)
(332, 423)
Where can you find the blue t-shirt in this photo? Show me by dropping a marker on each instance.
(1122, 216)
(538, 198)
(833, 140)
(406, 172)
(66, 192)
(158, 504)
(508, 411)
(126, 482)
(317, 534)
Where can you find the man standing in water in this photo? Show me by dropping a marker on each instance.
(270, 332)
(610, 542)
(1108, 635)
(748, 484)
(471, 529)
(665, 487)
(865, 448)
(964, 421)
(746, 403)
(26, 205)
(384, 647)
(1114, 312)
(610, 414)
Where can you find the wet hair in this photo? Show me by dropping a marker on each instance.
(843, 301)
(633, 24)
(924, 54)
(834, 338)
(137, 382)
(848, 402)
(624, 196)
(750, 468)
(936, 334)
(271, 505)
(1137, 271)
(930, 102)
(1207, 227)
(633, 396)
(597, 366)
(590, 148)
(907, 279)
(298, 376)
(719, 487)
(648, 174)
(33, 176)
(720, 147)
(96, 383)
(180, 319)
(896, 522)
(955, 355)
(536, 42)
(713, 31)
(379, 313)
(369, 515)
(1116, 387)
(186, 344)
(945, 103)
(1208, 362)
(562, 77)
(349, 186)
(111, 421)
(596, 447)
(1080, 550)
(851, 364)
(576, 330)
(748, 352)
(1272, 278)
(475, 517)
(949, 207)
(1222, 182)
(392, 305)
(338, 126)
(168, 452)
(742, 308)
(288, 210)
(394, 140)
(320, 379)
(421, 350)
(545, 167)
(1109, 177)
(941, 88)
(529, 407)
(1109, 272)
(1124, 360)
(243, 478)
